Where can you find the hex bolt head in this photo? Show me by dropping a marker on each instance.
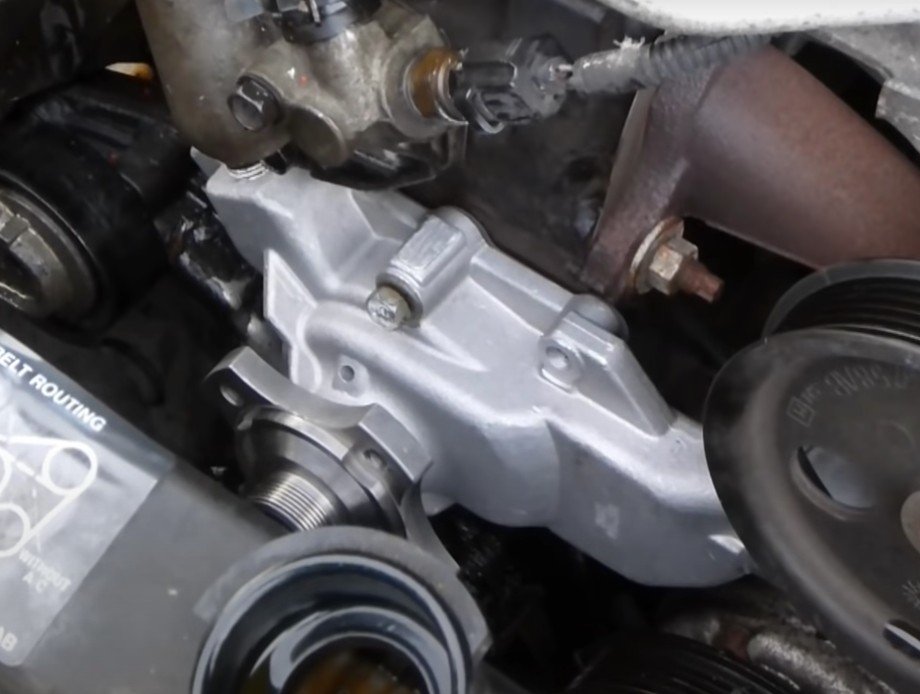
(388, 308)
(668, 263)
(675, 268)
(254, 105)
(42, 272)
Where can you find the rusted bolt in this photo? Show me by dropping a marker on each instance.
(695, 278)
(668, 263)
(254, 105)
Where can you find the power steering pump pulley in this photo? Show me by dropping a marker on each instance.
(813, 437)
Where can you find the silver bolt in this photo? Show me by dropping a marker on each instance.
(388, 308)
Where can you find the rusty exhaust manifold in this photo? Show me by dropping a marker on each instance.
(763, 150)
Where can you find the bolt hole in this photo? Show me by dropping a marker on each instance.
(347, 373)
(835, 477)
(231, 396)
(558, 359)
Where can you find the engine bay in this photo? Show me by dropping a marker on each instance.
(459, 346)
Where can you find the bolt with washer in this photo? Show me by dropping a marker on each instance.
(388, 308)
(668, 263)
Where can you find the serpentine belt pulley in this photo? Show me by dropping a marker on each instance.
(813, 438)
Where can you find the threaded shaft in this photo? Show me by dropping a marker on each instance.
(294, 501)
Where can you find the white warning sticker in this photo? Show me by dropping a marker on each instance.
(53, 472)
(71, 478)
(19, 368)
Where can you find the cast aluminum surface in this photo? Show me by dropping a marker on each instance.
(764, 16)
(532, 412)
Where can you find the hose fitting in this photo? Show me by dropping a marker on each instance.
(636, 65)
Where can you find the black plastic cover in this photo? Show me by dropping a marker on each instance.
(107, 544)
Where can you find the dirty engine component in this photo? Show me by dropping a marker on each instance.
(811, 439)
(385, 305)
(83, 174)
(343, 609)
(149, 542)
(459, 347)
(105, 534)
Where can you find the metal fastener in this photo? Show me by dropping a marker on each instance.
(254, 105)
(668, 263)
(389, 308)
(42, 272)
